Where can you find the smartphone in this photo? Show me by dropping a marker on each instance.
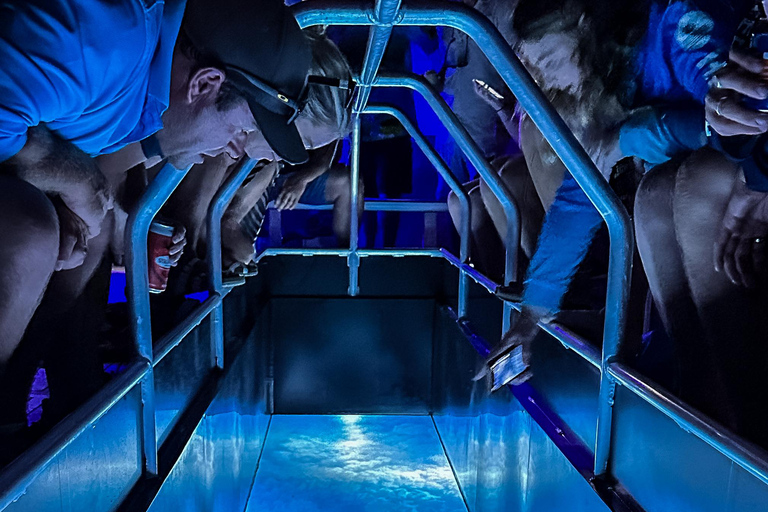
(507, 368)
(493, 92)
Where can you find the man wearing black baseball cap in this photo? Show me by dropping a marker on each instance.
(116, 83)
(266, 58)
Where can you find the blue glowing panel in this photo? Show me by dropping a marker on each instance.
(355, 464)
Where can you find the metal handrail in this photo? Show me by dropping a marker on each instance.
(560, 138)
(474, 154)
(385, 205)
(137, 292)
(353, 259)
(215, 283)
(18, 475)
(747, 455)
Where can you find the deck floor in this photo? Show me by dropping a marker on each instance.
(354, 463)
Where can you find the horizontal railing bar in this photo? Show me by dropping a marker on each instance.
(308, 251)
(291, 251)
(18, 475)
(172, 339)
(572, 341)
(752, 458)
(470, 271)
(568, 339)
(382, 206)
(399, 253)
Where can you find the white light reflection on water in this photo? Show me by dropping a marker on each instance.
(354, 463)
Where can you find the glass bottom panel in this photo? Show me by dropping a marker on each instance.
(354, 463)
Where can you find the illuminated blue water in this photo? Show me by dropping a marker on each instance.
(354, 464)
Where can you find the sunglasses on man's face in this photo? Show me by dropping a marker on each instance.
(297, 105)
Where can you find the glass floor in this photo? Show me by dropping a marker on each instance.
(354, 463)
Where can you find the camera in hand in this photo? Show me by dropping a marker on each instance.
(752, 37)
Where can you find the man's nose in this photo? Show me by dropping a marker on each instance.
(236, 147)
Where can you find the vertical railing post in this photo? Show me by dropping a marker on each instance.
(445, 172)
(353, 259)
(216, 286)
(137, 288)
(384, 17)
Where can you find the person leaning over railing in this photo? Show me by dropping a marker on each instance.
(322, 123)
(660, 56)
(72, 90)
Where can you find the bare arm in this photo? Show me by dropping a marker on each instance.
(504, 108)
(248, 195)
(58, 168)
(320, 162)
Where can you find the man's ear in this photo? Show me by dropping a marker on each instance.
(204, 85)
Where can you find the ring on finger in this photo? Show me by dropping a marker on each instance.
(758, 240)
(718, 105)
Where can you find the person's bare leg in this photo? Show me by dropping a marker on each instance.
(69, 352)
(29, 230)
(486, 248)
(545, 168)
(454, 206)
(733, 317)
(663, 263)
(337, 191)
(517, 180)
(68, 285)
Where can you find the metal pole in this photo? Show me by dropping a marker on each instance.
(137, 288)
(216, 210)
(353, 259)
(384, 17)
(437, 161)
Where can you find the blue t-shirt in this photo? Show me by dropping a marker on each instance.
(685, 43)
(96, 72)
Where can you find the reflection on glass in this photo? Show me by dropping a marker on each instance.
(354, 463)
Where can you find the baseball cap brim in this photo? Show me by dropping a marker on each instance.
(283, 138)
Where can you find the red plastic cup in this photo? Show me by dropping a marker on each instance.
(159, 242)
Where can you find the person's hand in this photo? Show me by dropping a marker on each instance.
(745, 75)
(510, 361)
(178, 241)
(236, 246)
(73, 245)
(293, 188)
(606, 152)
(496, 102)
(740, 249)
